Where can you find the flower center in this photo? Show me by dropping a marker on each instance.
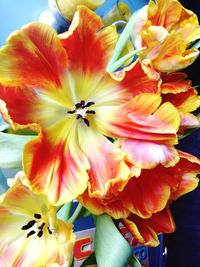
(36, 226)
(81, 110)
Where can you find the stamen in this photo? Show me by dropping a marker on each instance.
(90, 112)
(28, 225)
(37, 216)
(40, 233)
(30, 233)
(86, 122)
(79, 116)
(89, 104)
(41, 226)
(71, 111)
(50, 232)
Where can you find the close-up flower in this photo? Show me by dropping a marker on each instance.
(166, 30)
(59, 85)
(96, 106)
(31, 235)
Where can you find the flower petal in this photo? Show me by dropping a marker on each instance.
(18, 247)
(55, 165)
(138, 78)
(33, 56)
(145, 231)
(108, 171)
(147, 155)
(88, 47)
(143, 118)
(188, 168)
(175, 83)
(184, 101)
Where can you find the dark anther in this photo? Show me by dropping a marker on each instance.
(49, 231)
(40, 233)
(30, 233)
(80, 104)
(28, 225)
(79, 116)
(41, 226)
(89, 104)
(71, 111)
(37, 216)
(86, 122)
(90, 112)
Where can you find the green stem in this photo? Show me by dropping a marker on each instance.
(115, 65)
(63, 212)
(76, 213)
(123, 39)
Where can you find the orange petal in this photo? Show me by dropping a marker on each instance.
(33, 56)
(145, 231)
(108, 171)
(142, 118)
(188, 168)
(175, 83)
(20, 104)
(185, 101)
(88, 46)
(138, 78)
(56, 166)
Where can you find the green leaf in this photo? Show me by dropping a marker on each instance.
(11, 147)
(134, 262)
(91, 260)
(111, 248)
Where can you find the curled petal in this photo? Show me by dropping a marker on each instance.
(184, 101)
(87, 45)
(147, 155)
(145, 231)
(150, 121)
(108, 172)
(174, 83)
(146, 80)
(188, 167)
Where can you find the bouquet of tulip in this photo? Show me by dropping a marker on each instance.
(96, 114)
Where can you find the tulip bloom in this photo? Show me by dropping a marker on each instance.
(166, 29)
(146, 195)
(31, 235)
(178, 90)
(57, 84)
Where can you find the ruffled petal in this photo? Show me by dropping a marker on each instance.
(33, 56)
(55, 165)
(147, 155)
(143, 118)
(145, 231)
(174, 83)
(188, 168)
(88, 47)
(108, 171)
(167, 34)
(138, 78)
(185, 101)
